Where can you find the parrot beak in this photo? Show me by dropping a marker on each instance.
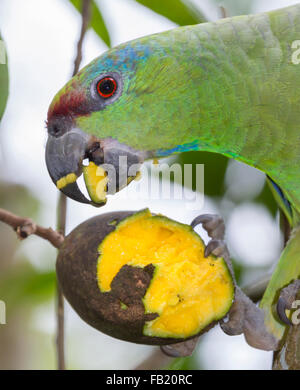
(64, 156)
(118, 163)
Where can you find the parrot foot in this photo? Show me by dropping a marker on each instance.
(183, 349)
(245, 317)
(286, 298)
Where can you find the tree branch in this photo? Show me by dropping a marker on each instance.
(25, 227)
(60, 307)
(62, 203)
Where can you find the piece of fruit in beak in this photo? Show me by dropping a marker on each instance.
(96, 180)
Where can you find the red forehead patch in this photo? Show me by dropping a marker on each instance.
(72, 102)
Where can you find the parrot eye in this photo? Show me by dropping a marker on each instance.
(106, 87)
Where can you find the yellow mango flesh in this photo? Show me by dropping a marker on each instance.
(96, 182)
(187, 290)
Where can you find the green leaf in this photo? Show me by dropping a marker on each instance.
(184, 363)
(3, 78)
(214, 170)
(18, 199)
(181, 12)
(97, 22)
(24, 285)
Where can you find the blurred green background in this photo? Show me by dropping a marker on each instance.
(41, 39)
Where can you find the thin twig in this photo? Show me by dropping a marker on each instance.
(60, 316)
(223, 12)
(86, 17)
(60, 329)
(25, 227)
(62, 203)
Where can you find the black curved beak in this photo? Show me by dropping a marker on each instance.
(65, 155)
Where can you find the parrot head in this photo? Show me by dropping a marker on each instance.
(81, 111)
(124, 107)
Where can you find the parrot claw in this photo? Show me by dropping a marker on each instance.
(212, 223)
(286, 298)
(217, 248)
(183, 349)
(215, 227)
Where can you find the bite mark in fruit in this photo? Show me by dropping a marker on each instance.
(187, 290)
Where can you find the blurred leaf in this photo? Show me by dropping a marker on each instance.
(214, 170)
(238, 269)
(3, 78)
(18, 199)
(181, 12)
(186, 363)
(23, 284)
(97, 22)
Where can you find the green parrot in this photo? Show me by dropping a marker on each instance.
(228, 87)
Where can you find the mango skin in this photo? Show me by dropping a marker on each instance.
(77, 275)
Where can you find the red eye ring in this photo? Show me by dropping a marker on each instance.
(106, 87)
